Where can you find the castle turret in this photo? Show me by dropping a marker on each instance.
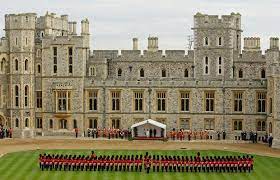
(153, 44)
(135, 43)
(85, 30)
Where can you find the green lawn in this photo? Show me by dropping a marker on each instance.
(24, 165)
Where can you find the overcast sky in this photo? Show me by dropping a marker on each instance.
(113, 23)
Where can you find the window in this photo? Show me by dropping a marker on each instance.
(92, 123)
(92, 71)
(263, 74)
(63, 101)
(209, 101)
(161, 101)
(186, 73)
(16, 96)
(142, 73)
(26, 18)
(238, 97)
(206, 65)
(26, 95)
(26, 41)
(39, 99)
(26, 122)
(270, 106)
(38, 54)
(75, 124)
(39, 123)
(163, 73)
(38, 68)
(138, 101)
(16, 65)
(185, 101)
(261, 97)
(220, 41)
(26, 65)
(63, 124)
(270, 127)
(70, 58)
(119, 72)
(51, 124)
(220, 65)
(16, 123)
(185, 124)
(209, 124)
(240, 73)
(92, 94)
(116, 123)
(54, 60)
(261, 125)
(16, 42)
(237, 125)
(115, 95)
(3, 65)
(206, 41)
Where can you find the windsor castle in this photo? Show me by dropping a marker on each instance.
(52, 82)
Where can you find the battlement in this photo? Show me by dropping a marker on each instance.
(213, 21)
(20, 21)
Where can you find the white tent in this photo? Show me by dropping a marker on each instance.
(142, 127)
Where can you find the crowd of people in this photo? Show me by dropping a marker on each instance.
(5, 132)
(110, 133)
(155, 163)
(195, 135)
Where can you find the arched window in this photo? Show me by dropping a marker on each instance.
(26, 92)
(206, 41)
(75, 124)
(206, 65)
(39, 68)
(263, 73)
(16, 96)
(26, 65)
(220, 65)
(16, 123)
(142, 73)
(51, 124)
(240, 73)
(16, 65)
(3, 64)
(263, 126)
(119, 72)
(220, 41)
(63, 124)
(26, 122)
(186, 74)
(95, 124)
(163, 73)
(235, 125)
(90, 124)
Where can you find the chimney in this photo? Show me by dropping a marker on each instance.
(74, 28)
(252, 44)
(135, 43)
(274, 43)
(152, 44)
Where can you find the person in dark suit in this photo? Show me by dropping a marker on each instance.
(155, 132)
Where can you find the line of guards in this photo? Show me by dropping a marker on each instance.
(156, 162)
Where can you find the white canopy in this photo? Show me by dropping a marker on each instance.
(145, 125)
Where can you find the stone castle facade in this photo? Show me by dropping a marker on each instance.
(51, 82)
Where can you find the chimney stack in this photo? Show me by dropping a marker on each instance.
(152, 44)
(135, 43)
(252, 44)
(274, 43)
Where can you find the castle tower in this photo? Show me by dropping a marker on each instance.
(273, 94)
(20, 32)
(216, 40)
